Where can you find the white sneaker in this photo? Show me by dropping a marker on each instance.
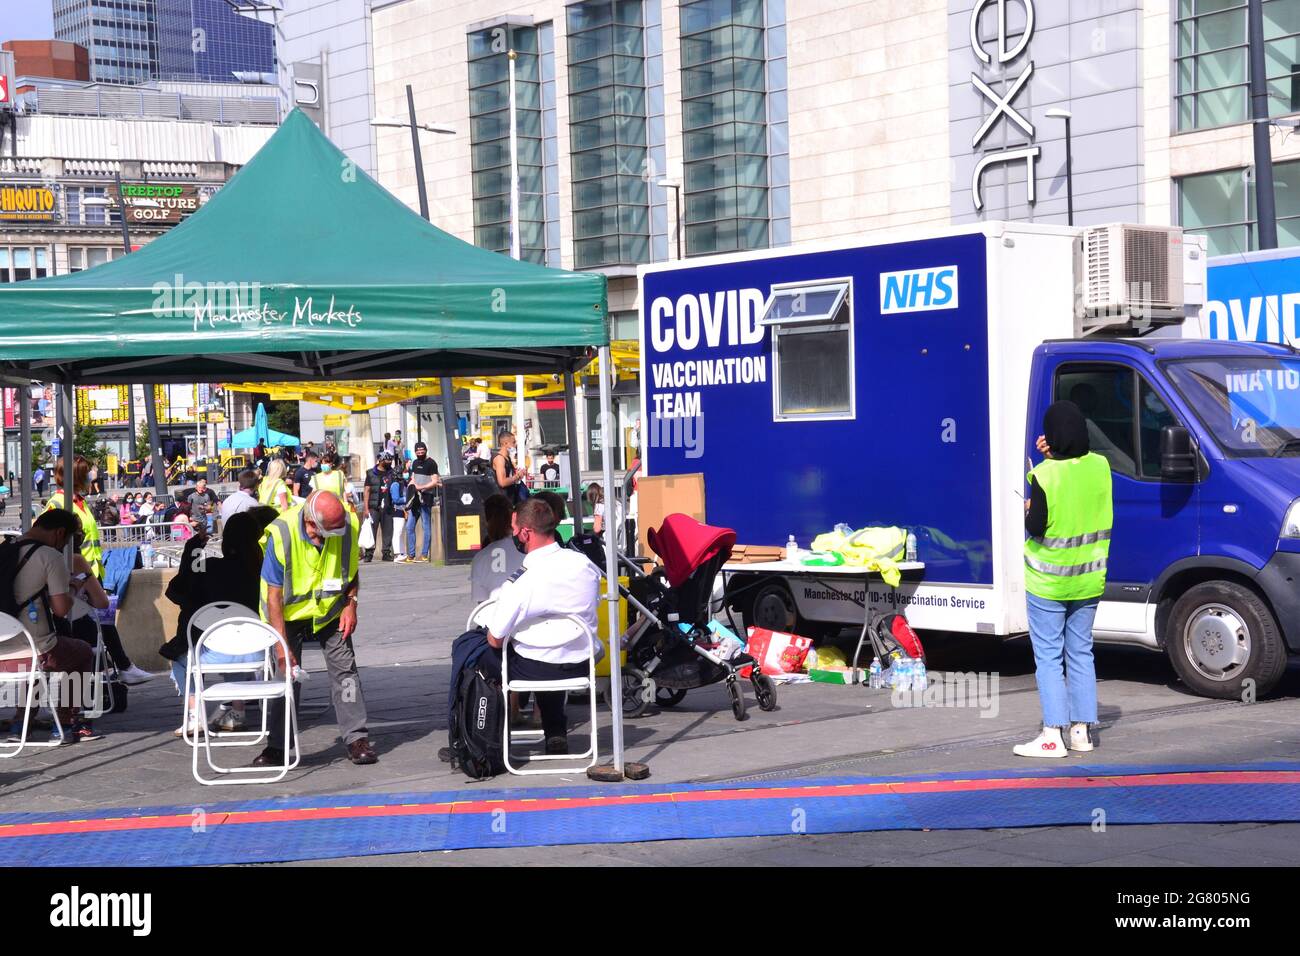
(1080, 739)
(1047, 744)
(399, 559)
(134, 675)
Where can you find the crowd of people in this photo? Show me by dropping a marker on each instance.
(291, 542)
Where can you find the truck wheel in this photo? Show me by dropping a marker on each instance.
(773, 608)
(1222, 635)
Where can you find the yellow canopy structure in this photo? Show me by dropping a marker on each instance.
(357, 395)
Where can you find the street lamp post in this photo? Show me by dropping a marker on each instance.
(1069, 163)
(454, 461)
(677, 202)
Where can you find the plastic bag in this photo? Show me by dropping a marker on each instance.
(830, 658)
(366, 540)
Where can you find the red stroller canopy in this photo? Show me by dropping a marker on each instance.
(684, 544)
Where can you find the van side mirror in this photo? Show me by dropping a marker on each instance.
(1177, 456)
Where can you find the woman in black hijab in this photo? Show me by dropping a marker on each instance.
(1065, 577)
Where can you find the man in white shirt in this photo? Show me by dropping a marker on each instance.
(499, 558)
(244, 498)
(553, 581)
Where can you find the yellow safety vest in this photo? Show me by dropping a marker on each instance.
(315, 580)
(331, 481)
(90, 548)
(1068, 563)
(268, 492)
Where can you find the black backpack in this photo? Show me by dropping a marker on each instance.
(477, 721)
(13, 556)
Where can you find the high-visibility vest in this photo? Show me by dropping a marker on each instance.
(308, 571)
(90, 548)
(268, 492)
(329, 481)
(1068, 563)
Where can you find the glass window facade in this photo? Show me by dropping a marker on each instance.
(1222, 205)
(724, 126)
(120, 35)
(1213, 62)
(489, 101)
(207, 40)
(19, 263)
(608, 133)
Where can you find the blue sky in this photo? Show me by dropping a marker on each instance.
(26, 19)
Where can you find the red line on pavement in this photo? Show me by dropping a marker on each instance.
(209, 819)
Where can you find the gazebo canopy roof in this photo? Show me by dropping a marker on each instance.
(302, 266)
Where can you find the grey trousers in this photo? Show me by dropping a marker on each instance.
(345, 683)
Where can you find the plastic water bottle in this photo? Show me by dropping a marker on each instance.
(920, 679)
(904, 668)
(910, 554)
(874, 675)
(146, 555)
(791, 549)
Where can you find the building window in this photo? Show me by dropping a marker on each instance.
(1213, 61)
(724, 126)
(489, 98)
(19, 263)
(607, 132)
(1222, 206)
(812, 350)
(81, 258)
(93, 213)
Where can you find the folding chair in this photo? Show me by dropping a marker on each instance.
(205, 617)
(100, 699)
(566, 685)
(244, 635)
(20, 664)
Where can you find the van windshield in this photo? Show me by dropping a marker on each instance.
(1250, 405)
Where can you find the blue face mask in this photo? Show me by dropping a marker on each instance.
(325, 469)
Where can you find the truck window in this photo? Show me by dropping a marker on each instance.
(812, 350)
(1104, 393)
(1154, 416)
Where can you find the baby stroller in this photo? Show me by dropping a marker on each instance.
(664, 658)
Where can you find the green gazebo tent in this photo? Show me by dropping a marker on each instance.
(302, 266)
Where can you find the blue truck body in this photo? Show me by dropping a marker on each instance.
(921, 410)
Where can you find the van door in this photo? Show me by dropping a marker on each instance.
(1156, 521)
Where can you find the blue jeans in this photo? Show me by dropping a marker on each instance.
(417, 511)
(1061, 633)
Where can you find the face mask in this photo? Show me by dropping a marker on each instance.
(322, 530)
(325, 469)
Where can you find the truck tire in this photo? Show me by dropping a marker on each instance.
(1220, 637)
(772, 607)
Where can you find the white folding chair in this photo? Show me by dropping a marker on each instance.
(99, 700)
(565, 686)
(477, 616)
(244, 635)
(18, 648)
(205, 617)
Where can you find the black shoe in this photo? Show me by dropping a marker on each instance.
(557, 746)
(388, 556)
(367, 556)
(270, 757)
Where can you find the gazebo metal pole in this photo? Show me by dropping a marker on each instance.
(607, 426)
(68, 402)
(25, 454)
(575, 463)
(155, 442)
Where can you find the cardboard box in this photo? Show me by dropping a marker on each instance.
(658, 496)
(756, 553)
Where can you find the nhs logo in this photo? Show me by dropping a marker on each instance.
(918, 290)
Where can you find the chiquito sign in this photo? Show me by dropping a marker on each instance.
(998, 59)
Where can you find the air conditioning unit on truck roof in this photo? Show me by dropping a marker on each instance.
(1130, 278)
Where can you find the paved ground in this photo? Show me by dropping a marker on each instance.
(410, 614)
